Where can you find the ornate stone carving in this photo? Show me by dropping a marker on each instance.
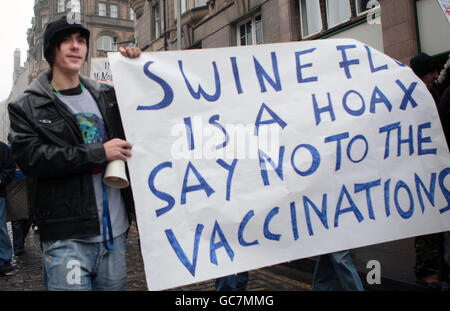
(138, 7)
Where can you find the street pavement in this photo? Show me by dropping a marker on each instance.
(27, 273)
(395, 258)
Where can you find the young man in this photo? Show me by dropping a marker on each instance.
(6, 175)
(64, 130)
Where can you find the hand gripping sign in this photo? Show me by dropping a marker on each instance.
(246, 157)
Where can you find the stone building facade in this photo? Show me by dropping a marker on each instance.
(394, 27)
(111, 23)
(219, 23)
(399, 28)
(20, 82)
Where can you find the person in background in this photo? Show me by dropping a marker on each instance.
(7, 168)
(444, 114)
(426, 69)
(430, 265)
(18, 211)
(233, 282)
(444, 100)
(336, 266)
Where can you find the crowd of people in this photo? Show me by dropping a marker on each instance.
(77, 214)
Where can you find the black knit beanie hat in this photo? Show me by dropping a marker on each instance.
(57, 30)
(422, 64)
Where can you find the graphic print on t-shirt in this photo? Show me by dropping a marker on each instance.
(91, 127)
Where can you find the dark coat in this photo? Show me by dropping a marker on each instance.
(48, 147)
(444, 113)
(7, 168)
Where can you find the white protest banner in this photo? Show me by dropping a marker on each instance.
(445, 6)
(101, 71)
(246, 157)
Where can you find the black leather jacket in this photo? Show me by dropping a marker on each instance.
(48, 147)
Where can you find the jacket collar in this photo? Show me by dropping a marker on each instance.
(41, 87)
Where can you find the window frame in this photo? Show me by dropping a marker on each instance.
(327, 11)
(197, 3)
(44, 21)
(105, 9)
(302, 35)
(248, 33)
(253, 22)
(111, 6)
(61, 6)
(184, 6)
(112, 44)
(156, 21)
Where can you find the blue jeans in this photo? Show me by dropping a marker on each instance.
(232, 282)
(5, 241)
(333, 266)
(72, 265)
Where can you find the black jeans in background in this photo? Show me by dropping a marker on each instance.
(20, 230)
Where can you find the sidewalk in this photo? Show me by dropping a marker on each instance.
(396, 260)
(27, 273)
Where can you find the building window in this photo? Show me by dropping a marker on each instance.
(199, 3)
(114, 11)
(184, 6)
(107, 43)
(44, 21)
(365, 5)
(190, 4)
(61, 6)
(75, 6)
(131, 14)
(156, 18)
(258, 30)
(102, 9)
(310, 17)
(338, 11)
(250, 32)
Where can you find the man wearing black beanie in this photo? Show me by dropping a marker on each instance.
(428, 250)
(426, 69)
(56, 32)
(65, 128)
